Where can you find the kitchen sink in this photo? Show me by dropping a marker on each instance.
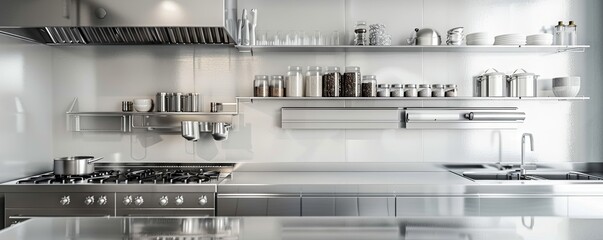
(530, 175)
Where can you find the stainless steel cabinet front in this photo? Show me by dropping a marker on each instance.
(437, 206)
(258, 206)
(523, 206)
(585, 207)
(348, 206)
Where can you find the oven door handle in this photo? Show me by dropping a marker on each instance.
(17, 217)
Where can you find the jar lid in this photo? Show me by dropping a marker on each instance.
(560, 24)
(295, 68)
(277, 77)
(261, 77)
(451, 85)
(437, 86)
(384, 85)
(572, 24)
(396, 85)
(352, 69)
(424, 86)
(410, 85)
(332, 69)
(369, 77)
(314, 68)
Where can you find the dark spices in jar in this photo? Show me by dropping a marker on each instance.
(331, 84)
(351, 82)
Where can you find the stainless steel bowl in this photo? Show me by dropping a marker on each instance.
(428, 37)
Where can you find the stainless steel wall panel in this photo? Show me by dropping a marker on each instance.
(437, 206)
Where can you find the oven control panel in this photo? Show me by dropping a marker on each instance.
(166, 200)
(59, 200)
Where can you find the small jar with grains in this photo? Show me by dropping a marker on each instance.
(424, 90)
(383, 90)
(451, 90)
(397, 90)
(331, 82)
(294, 82)
(351, 82)
(277, 86)
(410, 90)
(313, 81)
(437, 90)
(369, 86)
(260, 86)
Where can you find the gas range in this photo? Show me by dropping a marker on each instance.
(124, 189)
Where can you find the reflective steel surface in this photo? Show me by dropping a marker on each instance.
(490, 228)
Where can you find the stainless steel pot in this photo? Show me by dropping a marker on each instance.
(492, 84)
(523, 84)
(428, 37)
(75, 166)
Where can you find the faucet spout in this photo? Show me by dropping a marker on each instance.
(524, 167)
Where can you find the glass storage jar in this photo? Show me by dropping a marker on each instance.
(410, 90)
(313, 81)
(396, 90)
(277, 86)
(294, 82)
(351, 82)
(331, 82)
(451, 90)
(437, 90)
(361, 34)
(260, 86)
(424, 90)
(369, 86)
(383, 90)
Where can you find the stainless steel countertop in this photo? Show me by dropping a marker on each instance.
(490, 228)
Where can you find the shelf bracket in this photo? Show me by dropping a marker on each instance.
(571, 49)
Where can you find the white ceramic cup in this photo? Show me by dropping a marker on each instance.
(143, 104)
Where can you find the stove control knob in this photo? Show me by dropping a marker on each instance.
(89, 200)
(127, 200)
(179, 200)
(163, 201)
(203, 200)
(65, 200)
(102, 200)
(138, 200)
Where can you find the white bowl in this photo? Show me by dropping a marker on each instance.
(566, 91)
(566, 82)
(143, 107)
(143, 101)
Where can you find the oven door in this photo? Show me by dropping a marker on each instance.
(17, 215)
(165, 213)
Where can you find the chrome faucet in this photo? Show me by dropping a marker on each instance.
(523, 167)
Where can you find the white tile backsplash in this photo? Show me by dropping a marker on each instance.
(102, 76)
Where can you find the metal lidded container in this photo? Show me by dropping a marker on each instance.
(491, 84)
(175, 102)
(161, 102)
(195, 99)
(523, 84)
(437, 90)
(397, 90)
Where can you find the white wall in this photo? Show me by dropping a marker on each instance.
(26, 103)
(102, 76)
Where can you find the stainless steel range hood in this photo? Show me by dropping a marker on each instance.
(119, 22)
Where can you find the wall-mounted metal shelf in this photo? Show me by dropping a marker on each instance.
(410, 48)
(124, 122)
(251, 99)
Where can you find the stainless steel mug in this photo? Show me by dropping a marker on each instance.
(161, 102)
(176, 102)
(220, 131)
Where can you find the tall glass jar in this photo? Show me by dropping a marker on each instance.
(410, 90)
(424, 90)
(383, 90)
(260, 86)
(352, 81)
(277, 86)
(397, 90)
(331, 82)
(437, 90)
(361, 34)
(369, 86)
(313, 81)
(294, 82)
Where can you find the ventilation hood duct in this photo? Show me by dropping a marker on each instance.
(119, 22)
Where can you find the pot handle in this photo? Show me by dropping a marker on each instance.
(489, 70)
(521, 70)
(95, 159)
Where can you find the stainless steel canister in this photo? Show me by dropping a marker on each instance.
(176, 102)
(185, 99)
(161, 102)
(492, 84)
(195, 99)
(523, 84)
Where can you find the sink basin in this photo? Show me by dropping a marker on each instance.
(531, 175)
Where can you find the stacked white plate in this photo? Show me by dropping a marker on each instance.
(479, 38)
(510, 39)
(540, 39)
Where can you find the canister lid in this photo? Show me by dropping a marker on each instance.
(383, 85)
(424, 86)
(516, 73)
(396, 85)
